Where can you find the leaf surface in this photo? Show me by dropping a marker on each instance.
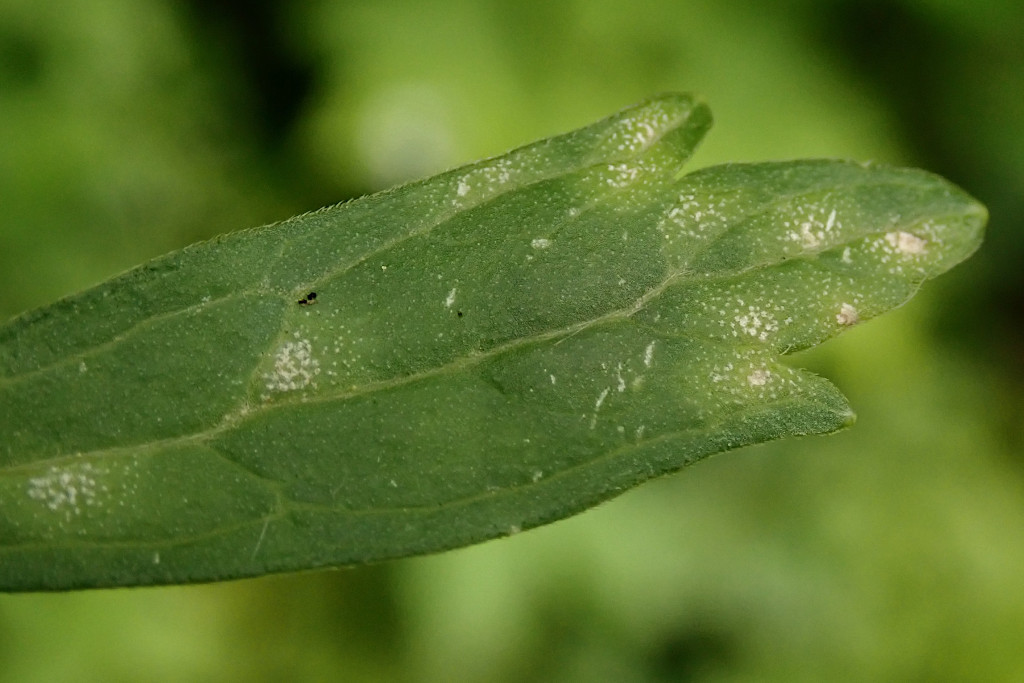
(456, 359)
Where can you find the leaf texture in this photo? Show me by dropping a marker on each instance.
(453, 360)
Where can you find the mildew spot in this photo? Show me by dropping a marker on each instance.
(812, 229)
(808, 237)
(450, 299)
(649, 354)
(623, 175)
(847, 315)
(635, 133)
(756, 323)
(597, 406)
(540, 243)
(68, 488)
(906, 243)
(759, 377)
(483, 181)
(719, 373)
(294, 367)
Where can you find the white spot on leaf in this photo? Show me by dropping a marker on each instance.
(540, 243)
(756, 323)
(847, 315)
(450, 299)
(294, 367)
(623, 175)
(808, 237)
(759, 377)
(67, 489)
(906, 243)
(649, 354)
(597, 406)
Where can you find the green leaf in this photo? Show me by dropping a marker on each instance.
(453, 360)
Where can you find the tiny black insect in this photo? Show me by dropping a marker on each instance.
(308, 300)
(459, 313)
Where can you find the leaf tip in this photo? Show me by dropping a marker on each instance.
(675, 122)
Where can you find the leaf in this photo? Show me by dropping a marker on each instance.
(453, 360)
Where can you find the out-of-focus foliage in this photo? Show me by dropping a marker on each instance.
(892, 551)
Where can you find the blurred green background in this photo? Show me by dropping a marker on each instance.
(892, 551)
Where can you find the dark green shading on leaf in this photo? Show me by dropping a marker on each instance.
(461, 358)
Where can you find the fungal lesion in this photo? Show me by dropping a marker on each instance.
(847, 315)
(294, 367)
(70, 489)
(755, 322)
(811, 228)
(906, 243)
(483, 181)
(759, 377)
